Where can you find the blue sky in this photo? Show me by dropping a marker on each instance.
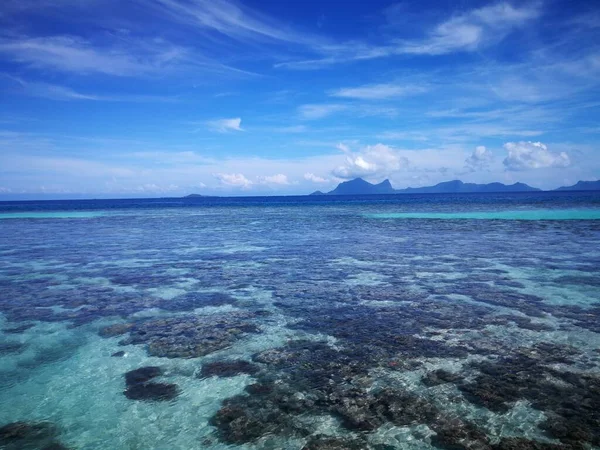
(121, 98)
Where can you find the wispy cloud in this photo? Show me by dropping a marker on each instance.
(472, 30)
(419, 136)
(239, 180)
(74, 54)
(311, 112)
(47, 90)
(225, 125)
(115, 57)
(322, 110)
(289, 129)
(230, 19)
(378, 91)
(65, 93)
(466, 32)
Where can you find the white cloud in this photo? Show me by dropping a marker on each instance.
(311, 112)
(417, 136)
(74, 54)
(480, 158)
(533, 155)
(156, 188)
(472, 30)
(64, 93)
(378, 91)
(280, 179)
(315, 178)
(225, 125)
(55, 92)
(112, 56)
(373, 160)
(319, 111)
(343, 147)
(469, 31)
(229, 19)
(234, 179)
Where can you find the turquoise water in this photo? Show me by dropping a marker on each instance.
(50, 215)
(295, 323)
(541, 214)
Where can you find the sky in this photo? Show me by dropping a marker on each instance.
(157, 98)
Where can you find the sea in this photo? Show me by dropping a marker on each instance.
(428, 321)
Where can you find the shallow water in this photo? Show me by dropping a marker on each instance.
(302, 322)
(51, 215)
(539, 214)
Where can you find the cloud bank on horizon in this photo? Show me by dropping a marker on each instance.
(170, 97)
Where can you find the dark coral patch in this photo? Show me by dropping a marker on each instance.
(29, 436)
(311, 377)
(142, 374)
(244, 419)
(8, 347)
(191, 336)
(193, 300)
(360, 410)
(55, 446)
(228, 368)
(115, 330)
(525, 444)
(440, 376)
(457, 435)
(321, 442)
(19, 329)
(570, 400)
(139, 386)
(152, 391)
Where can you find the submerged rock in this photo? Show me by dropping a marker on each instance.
(440, 376)
(321, 442)
(115, 330)
(29, 436)
(525, 444)
(570, 400)
(193, 300)
(139, 386)
(307, 377)
(118, 354)
(191, 336)
(55, 446)
(228, 368)
(7, 348)
(142, 374)
(242, 420)
(152, 391)
(458, 435)
(19, 329)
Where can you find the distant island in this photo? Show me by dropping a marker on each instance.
(582, 186)
(358, 186)
(196, 196)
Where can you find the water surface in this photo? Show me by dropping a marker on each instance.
(267, 323)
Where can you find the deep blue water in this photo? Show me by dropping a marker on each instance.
(381, 322)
